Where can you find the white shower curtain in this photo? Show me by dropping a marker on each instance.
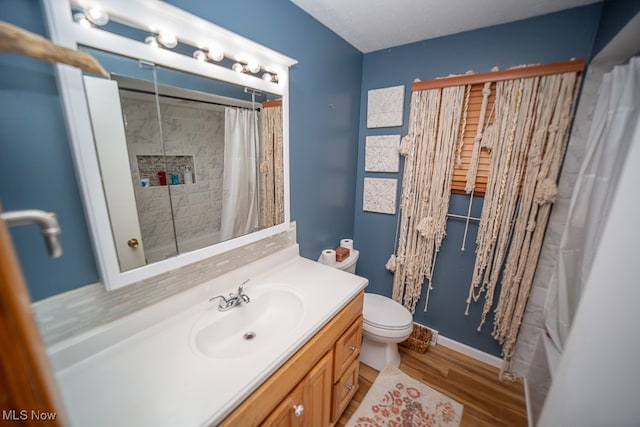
(616, 114)
(240, 184)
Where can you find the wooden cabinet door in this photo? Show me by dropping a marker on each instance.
(309, 404)
(290, 412)
(318, 393)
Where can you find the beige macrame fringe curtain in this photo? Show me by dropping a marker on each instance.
(434, 123)
(525, 132)
(271, 166)
(545, 135)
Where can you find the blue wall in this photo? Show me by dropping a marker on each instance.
(36, 169)
(550, 38)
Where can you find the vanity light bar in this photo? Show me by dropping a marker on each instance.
(94, 15)
(188, 31)
(204, 54)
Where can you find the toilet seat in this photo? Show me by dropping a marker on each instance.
(384, 316)
(387, 335)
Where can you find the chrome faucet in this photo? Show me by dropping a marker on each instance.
(48, 226)
(233, 300)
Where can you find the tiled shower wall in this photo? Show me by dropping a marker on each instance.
(189, 128)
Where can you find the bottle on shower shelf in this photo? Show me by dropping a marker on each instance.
(162, 177)
(188, 176)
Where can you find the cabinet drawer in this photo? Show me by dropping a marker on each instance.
(347, 348)
(344, 389)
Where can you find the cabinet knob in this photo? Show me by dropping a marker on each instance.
(298, 410)
(133, 243)
(349, 387)
(352, 347)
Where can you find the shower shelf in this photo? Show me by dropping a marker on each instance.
(150, 165)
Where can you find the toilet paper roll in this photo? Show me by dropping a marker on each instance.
(347, 243)
(328, 257)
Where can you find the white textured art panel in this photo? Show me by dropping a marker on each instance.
(380, 195)
(385, 107)
(381, 153)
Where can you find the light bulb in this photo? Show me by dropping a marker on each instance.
(200, 55)
(152, 41)
(81, 19)
(167, 39)
(238, 67)
(268, 77)
(253, 67)
(96, 16)
(215, 55)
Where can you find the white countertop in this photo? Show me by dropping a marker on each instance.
(142, 370)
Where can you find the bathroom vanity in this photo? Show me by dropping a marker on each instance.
(183, 362)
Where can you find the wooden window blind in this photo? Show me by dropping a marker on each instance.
(467, 132)
(476, 82)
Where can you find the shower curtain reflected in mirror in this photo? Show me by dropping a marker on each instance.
(240, 189)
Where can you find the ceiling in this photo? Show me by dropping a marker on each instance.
(371, 25)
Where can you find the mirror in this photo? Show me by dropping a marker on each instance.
(200, 155)
(179, 159)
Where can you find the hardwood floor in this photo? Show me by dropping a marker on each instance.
(486, 400)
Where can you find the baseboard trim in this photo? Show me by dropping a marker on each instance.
(487, 358)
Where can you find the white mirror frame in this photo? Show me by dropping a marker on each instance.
(190, 29)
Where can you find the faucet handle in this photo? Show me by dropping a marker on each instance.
(241, 287)
(224, 300)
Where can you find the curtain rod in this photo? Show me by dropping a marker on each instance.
(575, 65)
(184, 98)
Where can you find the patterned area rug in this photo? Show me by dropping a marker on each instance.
(396, 399)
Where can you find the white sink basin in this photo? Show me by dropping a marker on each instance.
(273, 313)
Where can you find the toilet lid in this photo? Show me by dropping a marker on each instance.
(385, 313)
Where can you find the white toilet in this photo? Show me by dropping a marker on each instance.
(386, 323)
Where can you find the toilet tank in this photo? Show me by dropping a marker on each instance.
(349, 264)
